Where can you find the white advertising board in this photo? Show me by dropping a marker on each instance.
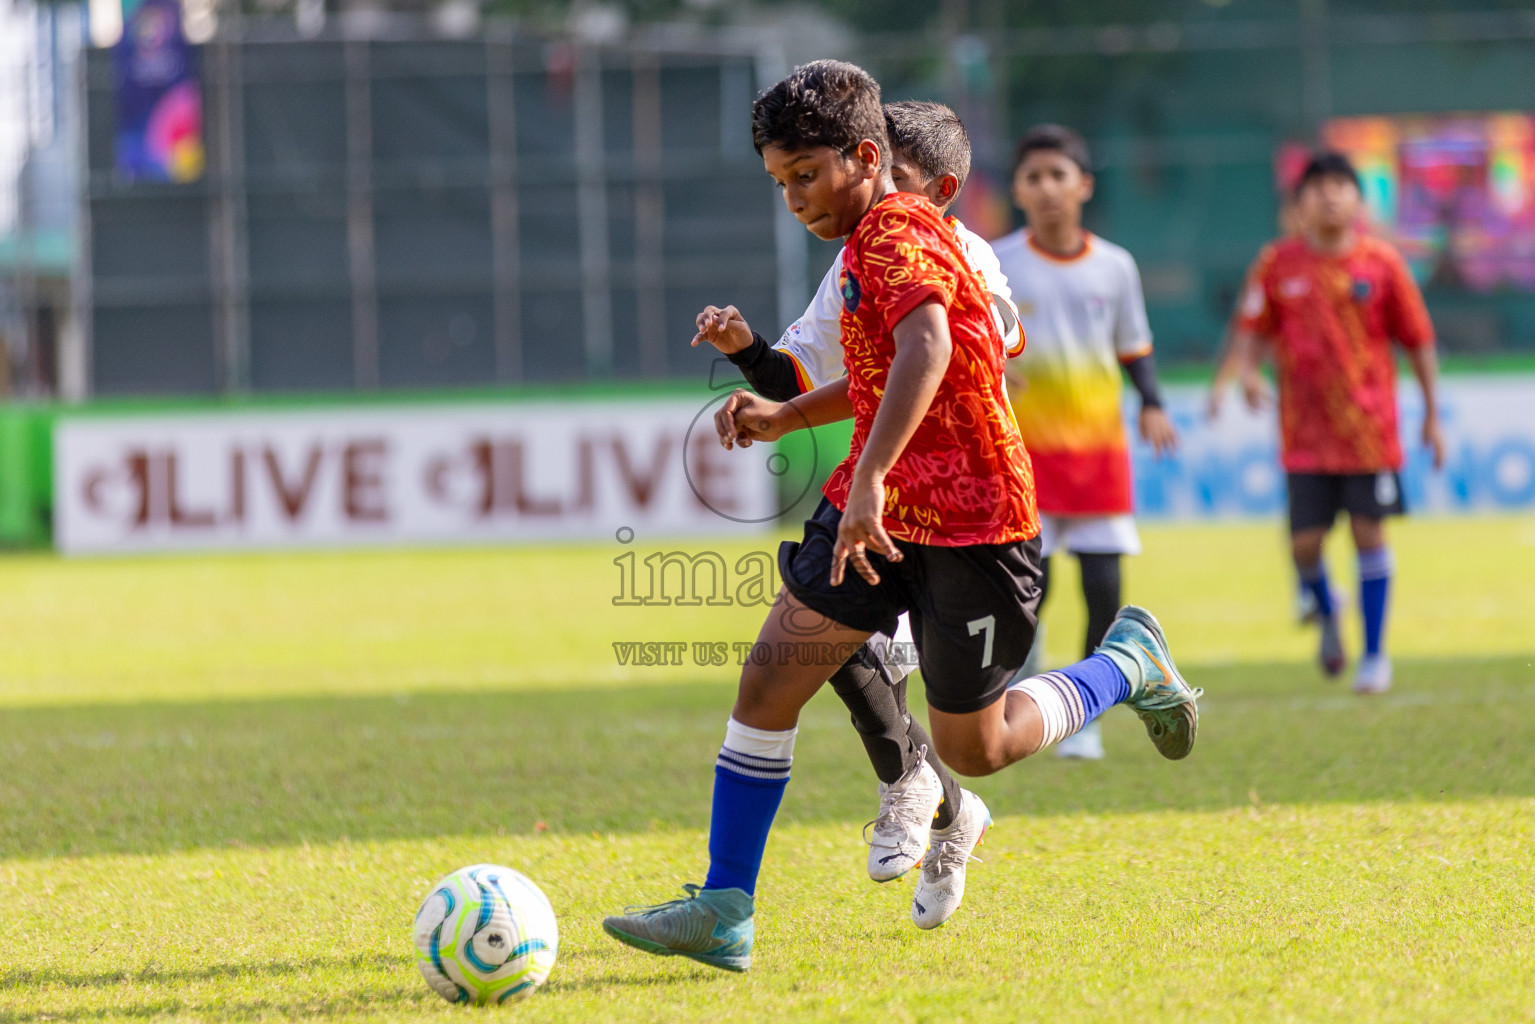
(409, 474)
(586, 469)
(1229, 466)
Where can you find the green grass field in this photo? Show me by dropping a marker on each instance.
(228, 781)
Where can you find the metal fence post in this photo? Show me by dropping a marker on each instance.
(506, 254)
(1316, 63)
(592, 215)
(649, 216)
(359, 215)
(230, 280)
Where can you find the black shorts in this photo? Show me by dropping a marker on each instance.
(973, 609)
(1317, 498)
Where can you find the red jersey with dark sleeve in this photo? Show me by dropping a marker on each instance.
(1332, 320)
(964, 477)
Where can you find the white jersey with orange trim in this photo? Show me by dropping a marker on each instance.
(1084, 315)
(814, 341)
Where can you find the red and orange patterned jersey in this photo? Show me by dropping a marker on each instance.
(964, 477)
(1332, 320)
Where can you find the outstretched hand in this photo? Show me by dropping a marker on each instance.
(724, 328)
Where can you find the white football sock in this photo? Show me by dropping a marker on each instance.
(1059, 703)
(757, 753)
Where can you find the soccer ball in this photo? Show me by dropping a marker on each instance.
(485, 934)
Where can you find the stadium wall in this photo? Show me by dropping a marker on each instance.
(582, 462)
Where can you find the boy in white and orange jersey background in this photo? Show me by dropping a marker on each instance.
(1080, 305)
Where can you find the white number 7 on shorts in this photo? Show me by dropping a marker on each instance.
(987, 624)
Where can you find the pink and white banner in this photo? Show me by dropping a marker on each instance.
(413, 474)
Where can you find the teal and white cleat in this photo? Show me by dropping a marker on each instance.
(712, 926)
(1158, 694)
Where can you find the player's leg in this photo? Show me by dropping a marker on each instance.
(1370, 499)
(1099, 542)
(1101, 576)
(973, 611)
(714, 923)
(1133, 666)
(1102, 583)
(1315, 500)
(917, 791)
(973, 616)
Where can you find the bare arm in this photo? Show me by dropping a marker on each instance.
(922, 350)
(1424, 360)
(746, 417)
(1240, 363)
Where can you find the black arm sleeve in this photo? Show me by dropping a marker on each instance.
(768, 370)
(1143, 374)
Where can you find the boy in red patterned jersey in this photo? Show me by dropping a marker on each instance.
(933, 509)
(1332, 299)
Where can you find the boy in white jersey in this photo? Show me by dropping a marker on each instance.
(919, 797)
(1079, 301)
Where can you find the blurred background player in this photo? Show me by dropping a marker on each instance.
(1288, 222)
(1332, 299)
(930, 155)
(1080, 305)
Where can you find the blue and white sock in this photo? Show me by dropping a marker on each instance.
(1071, 697)
(1374, 591)
(1314, 579)
(750, 775)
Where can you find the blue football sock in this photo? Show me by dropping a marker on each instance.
(1071, 697)
(1314, 579)
(1100, 684)
(1374, 591)
(750, 776)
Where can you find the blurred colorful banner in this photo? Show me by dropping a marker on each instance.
(1454, 192)
(159, 134)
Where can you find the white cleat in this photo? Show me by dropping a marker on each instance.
(1086, 744)
(906, 809)
(941, 886)
(1373, 674)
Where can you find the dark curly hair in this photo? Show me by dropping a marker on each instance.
(1053, 138)
(1327, 164)
(931, 136)
(823, 103)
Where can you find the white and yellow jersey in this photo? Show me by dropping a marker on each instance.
(1084, 316)
(814, 341)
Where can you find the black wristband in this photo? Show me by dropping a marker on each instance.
(1142, 372)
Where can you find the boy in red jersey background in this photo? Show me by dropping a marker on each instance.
(1331, 300)
(933, 509)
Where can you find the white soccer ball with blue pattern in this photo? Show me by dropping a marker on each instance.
(485, 934)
